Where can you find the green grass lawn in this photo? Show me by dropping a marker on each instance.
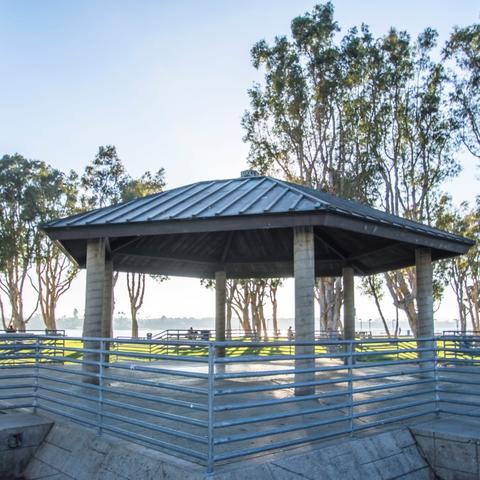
(69, 351)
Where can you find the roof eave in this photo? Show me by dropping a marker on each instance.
(457, 245)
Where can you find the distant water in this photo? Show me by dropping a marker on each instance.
(142, 332)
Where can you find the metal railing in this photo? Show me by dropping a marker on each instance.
(211, 402)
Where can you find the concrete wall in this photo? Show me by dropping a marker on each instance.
(20, 436)
(451, 447)
(73, 452)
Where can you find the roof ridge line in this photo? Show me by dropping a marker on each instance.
(297, 190)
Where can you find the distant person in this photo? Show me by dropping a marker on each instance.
(11, 328)
(191, 334)
(290, 334)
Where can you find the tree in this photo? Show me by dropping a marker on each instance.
(361, 118)
(272, 285)
(463, 273)
(54, 270)
(310, 119)
(373, 286)
(20, 193)
(106, 182)
(415, 151)
(463, 48)
(104, 179)
(134, 188)
(247, 298)
(103, 182)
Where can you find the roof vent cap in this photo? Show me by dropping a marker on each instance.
(249, 173)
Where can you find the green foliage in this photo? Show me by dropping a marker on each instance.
(361, 117)
(463, 273)
(147, 184)
(463, 49)
(31, 192)
(104, 179)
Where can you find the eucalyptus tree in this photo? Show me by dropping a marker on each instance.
(132, 188)
(415, 152)
(311, 119)
(246, 298)
(18, 232)
(360, 117)
(463, 273)
(54, 270)
(105, 182)
(104, 179)
(31, 192)
(463, 48)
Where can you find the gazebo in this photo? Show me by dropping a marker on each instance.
(250, 227)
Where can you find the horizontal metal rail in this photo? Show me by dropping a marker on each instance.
(213, 401)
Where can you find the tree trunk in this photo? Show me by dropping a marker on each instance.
(264, 323)
(136, 293)
(229, 321)
(404, 295)
(329, 294)
(276, 330)
(373, 289)
(134, 323)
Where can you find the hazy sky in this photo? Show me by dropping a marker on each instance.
(166, 82)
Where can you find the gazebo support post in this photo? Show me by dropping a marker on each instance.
(107, 300)
(348, 304)
(94, 305)
(348, 309)
(220, 301)
(424, 280)
(304, 272)
(107, 331)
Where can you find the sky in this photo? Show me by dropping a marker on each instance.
(165, 82)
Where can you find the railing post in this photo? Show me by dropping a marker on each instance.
(350, 385)
(101, 359)
(435, 375)
(211, 404)
(35, 384)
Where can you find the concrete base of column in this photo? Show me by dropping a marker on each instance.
(304, 270)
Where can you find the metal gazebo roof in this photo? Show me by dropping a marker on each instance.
(245, 225)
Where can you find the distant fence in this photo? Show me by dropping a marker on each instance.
(238, 334)
(211, 402)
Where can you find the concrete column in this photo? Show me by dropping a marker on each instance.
(94, 300)
(348, 304)
(304, 271)
(107, 331)
(424, 279)
(107, 300)
(220, 301)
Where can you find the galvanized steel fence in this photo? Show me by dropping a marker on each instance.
(211, 402)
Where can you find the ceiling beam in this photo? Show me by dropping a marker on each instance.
(328, 242)
(375, 251)
(226, 248)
